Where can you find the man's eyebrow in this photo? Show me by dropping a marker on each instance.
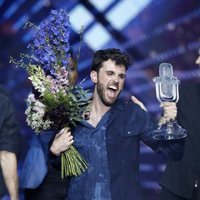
(114, 72)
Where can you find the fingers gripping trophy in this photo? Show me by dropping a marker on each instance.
(167, 90)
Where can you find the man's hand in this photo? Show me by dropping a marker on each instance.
(135, 100)
(169, 112)
(62, 141)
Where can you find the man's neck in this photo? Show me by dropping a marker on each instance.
(97, 110)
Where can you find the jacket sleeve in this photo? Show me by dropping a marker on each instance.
(171, 149)
(9, 129)
(55, 161)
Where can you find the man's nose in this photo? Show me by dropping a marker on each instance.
(116, 79)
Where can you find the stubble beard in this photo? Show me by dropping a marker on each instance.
(101, 92)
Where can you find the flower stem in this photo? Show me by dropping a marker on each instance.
(72, 163)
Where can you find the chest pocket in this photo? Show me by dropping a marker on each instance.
(128, 145)
(130, 131)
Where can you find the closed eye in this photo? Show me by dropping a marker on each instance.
(110, 73)
(122, 76)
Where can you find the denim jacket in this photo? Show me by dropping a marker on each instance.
(129, 125)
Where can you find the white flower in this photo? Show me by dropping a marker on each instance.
(38, 83)
(39, 107)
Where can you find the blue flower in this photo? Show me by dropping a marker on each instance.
(51, 41)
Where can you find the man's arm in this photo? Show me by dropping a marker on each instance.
(171, 149)
(9, 146)
(8, 162)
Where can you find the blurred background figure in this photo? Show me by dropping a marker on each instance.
(39, 178)
(9, 148)
(181, 179)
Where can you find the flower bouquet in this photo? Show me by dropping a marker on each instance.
(55, 102)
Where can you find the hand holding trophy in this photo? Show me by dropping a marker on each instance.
(167, 91)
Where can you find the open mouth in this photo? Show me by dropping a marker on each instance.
(112, 90)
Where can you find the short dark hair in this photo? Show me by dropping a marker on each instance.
(115, 55)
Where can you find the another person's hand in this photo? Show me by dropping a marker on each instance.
(169, 112)
(135, 100)
(62, 141)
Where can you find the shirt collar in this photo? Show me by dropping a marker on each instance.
(119, 105)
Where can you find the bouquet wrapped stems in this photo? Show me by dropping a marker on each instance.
(55, 101)
(72, 163)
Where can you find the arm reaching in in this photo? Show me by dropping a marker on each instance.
(135, 100)
(9, 146)
(8, 163)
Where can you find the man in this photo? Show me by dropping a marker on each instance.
(181, 179)
(9, 144)
(109, 137)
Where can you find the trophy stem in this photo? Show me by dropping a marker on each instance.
(169, 131)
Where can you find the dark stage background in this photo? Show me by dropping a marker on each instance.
(152, 31)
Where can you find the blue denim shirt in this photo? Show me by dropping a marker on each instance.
(127, 125)
(94, 183)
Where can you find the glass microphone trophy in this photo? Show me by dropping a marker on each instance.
(167, 91)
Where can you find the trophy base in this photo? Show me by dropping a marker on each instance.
(169, 131)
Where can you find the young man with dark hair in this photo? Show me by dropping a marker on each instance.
(109, 138)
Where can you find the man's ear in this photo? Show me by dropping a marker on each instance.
(93, 76)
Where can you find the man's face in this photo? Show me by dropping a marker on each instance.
(110, 82)
(198, 59)
(73, 74)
